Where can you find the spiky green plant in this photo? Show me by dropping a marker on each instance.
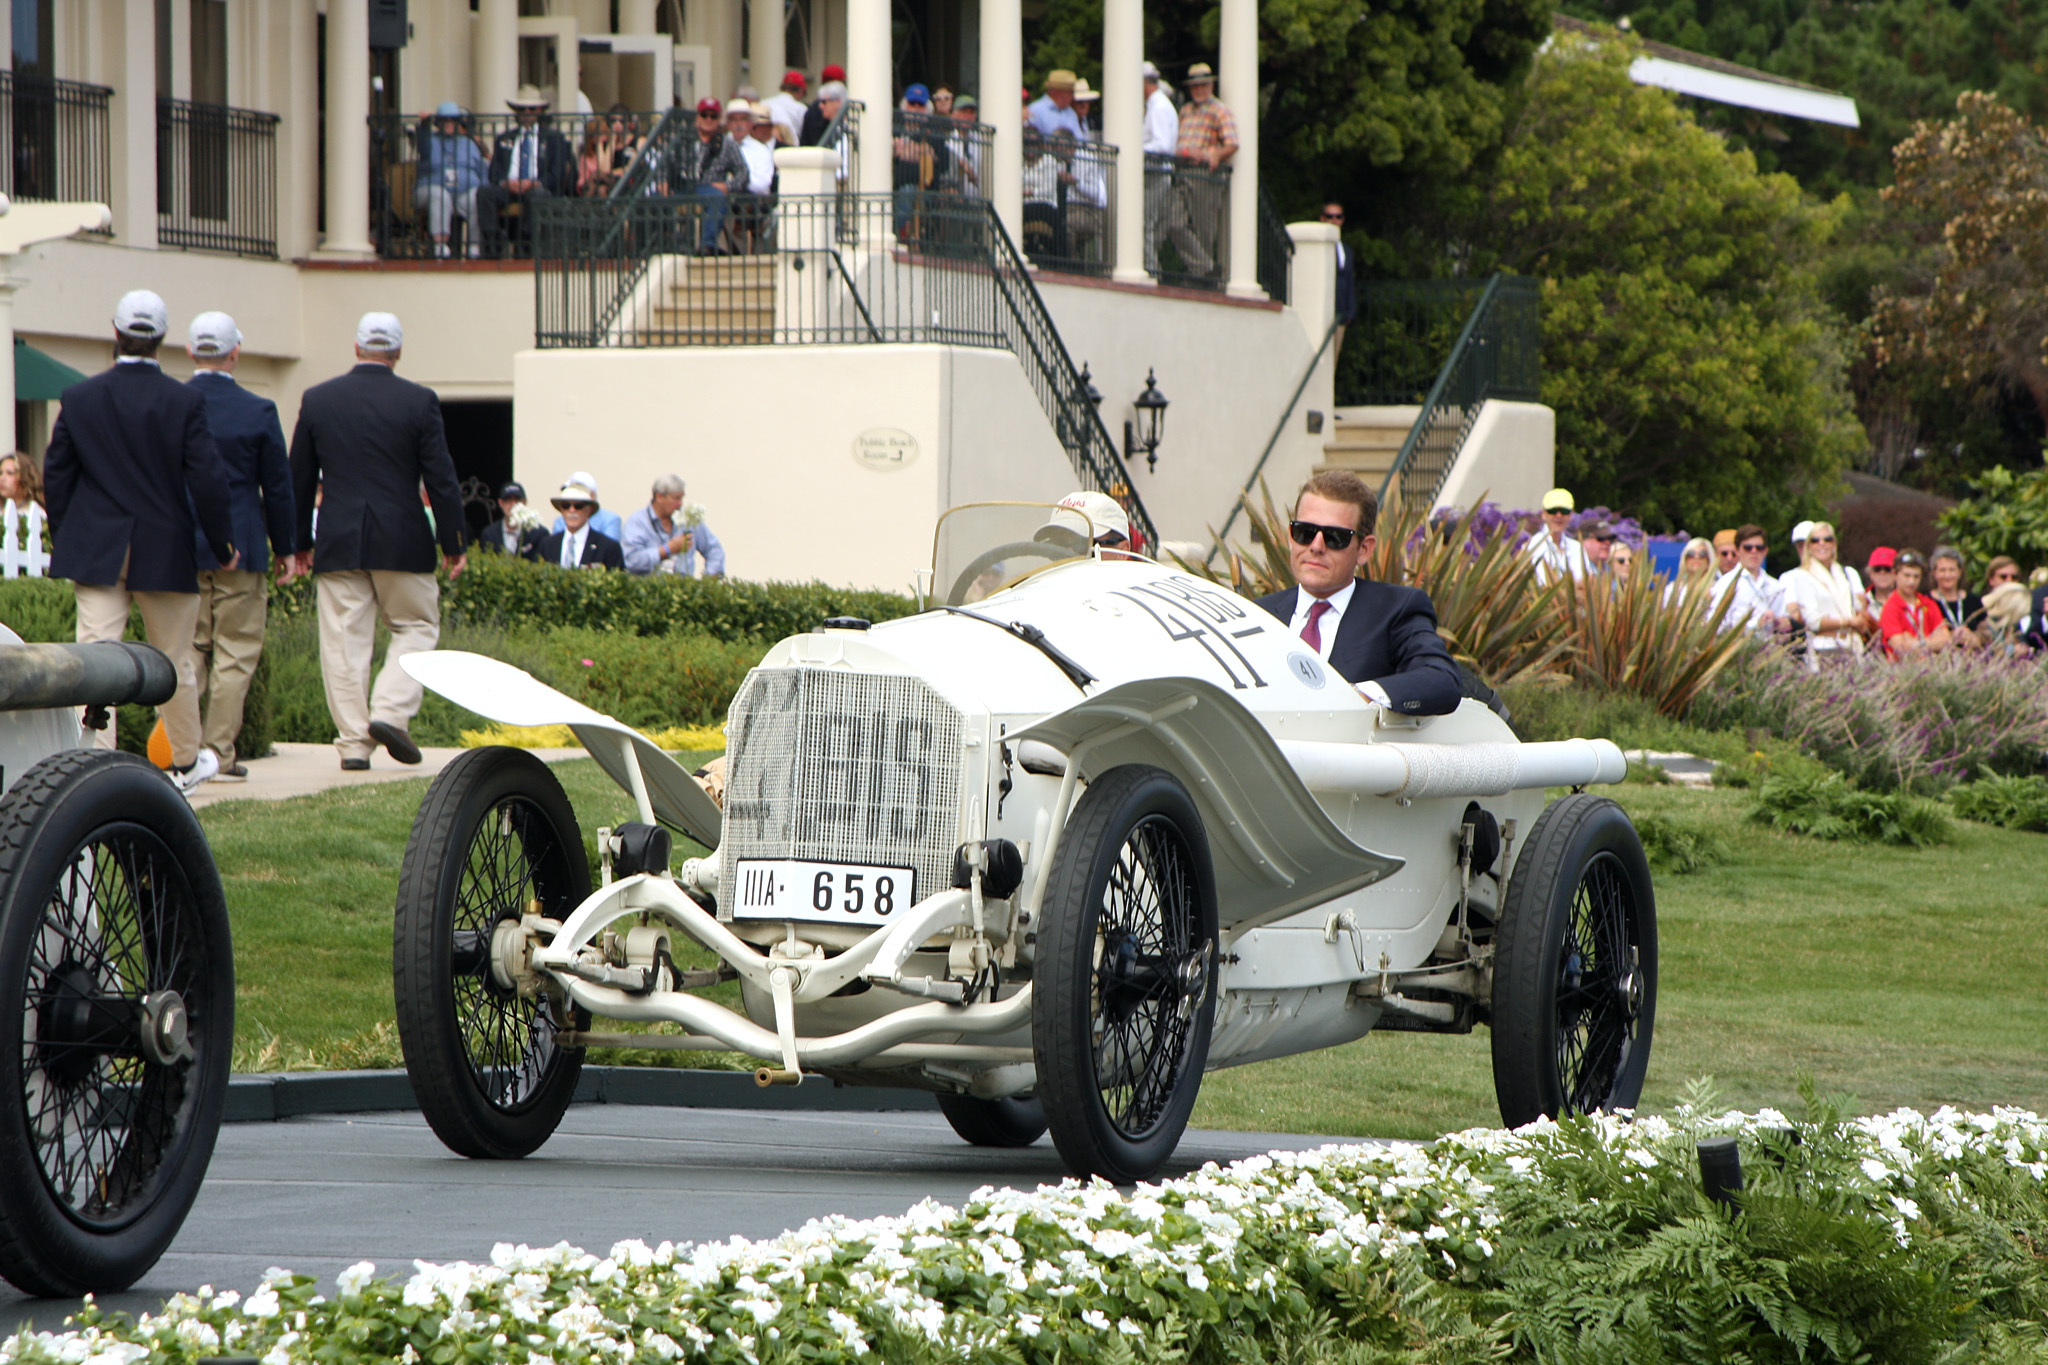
(1626, 638)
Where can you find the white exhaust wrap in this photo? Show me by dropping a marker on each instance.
(1421, 771)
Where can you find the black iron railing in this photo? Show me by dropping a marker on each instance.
(1276, 250)
(433, 194)
(1187, 222)
(59, 138)
(1402, 333)
(216, 178)
(1495, 355)
(1070, 204)
(839, 270)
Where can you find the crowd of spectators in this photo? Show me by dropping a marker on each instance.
(1905, 603)
(475, 196)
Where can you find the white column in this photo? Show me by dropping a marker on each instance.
(766, 31)
(1123, 127)
(1002, 76)
(181, 51)
(8, 434)
(635, 16)
(1238, 77)
(494, 54)
(348, 129)
(298, 149)
(1312, 286)
(870, 81)
(133, 116)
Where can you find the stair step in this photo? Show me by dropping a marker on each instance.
(1359, 461)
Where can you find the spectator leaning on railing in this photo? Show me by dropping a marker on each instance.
(1208, 140)
(831, 99)
(710, 169)
(530, 162)
(786, 108)
(1162, 135)
(1053, 112)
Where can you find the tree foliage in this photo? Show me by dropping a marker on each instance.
(1695, 371)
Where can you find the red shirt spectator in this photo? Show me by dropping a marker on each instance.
(1911, 623)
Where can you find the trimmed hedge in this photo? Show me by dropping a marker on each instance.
(512, 594)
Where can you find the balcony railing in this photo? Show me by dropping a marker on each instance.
(216, 178)
(1069, 204)
(1187, 222)
(59, 136)
(1496, 354)
(431, 190)
(836, 269)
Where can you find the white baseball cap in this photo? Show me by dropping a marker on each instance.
(212, 335)
(380, 333)
(1801, 531)
(587, 479)
(141, 313)
(1099, 515)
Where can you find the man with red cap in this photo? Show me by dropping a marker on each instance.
(831, 95)
(711, 170)
(787, 109)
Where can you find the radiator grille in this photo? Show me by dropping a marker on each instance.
(854, 767)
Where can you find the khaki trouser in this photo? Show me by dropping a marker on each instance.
(233, 606)
(168, 620)
(352, 602)
(1195, 224)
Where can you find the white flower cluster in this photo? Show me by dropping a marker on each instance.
(1032, 1274)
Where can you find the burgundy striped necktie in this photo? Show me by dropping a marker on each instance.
(1312, 633)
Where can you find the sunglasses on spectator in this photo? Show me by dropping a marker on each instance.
(1604, 536)
(1820, 540)
(1697, 554)
(575, 506)
(1333, 217)
(1334, 537)
(707, 115)
(2006, 576)
(1757, 548)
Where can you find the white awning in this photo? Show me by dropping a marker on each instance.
(1746, 92)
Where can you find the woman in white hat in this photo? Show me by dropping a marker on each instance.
(1830, 598)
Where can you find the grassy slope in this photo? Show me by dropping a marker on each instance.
(1901, 976)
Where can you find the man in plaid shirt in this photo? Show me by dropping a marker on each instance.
(1208, 140)
(711, 170)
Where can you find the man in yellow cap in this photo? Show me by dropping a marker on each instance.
(1555, 549)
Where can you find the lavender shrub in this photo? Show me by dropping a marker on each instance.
(1919, 725)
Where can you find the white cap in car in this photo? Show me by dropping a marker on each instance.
(1100, 516)
(213, 334)
(141, 313)
(380, 333)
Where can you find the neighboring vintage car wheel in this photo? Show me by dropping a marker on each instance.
(117, 1000)
(1126, 974)
(1575, 976)
(494, 835)
(1015, 1121)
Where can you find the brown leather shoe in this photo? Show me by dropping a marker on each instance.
(355, 765)
(396, 742)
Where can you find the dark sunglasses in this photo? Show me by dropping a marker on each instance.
(1333, 217)
(1604, 536)
(1334, 537)
(1752, 549)
(575, 506)
(704, 115)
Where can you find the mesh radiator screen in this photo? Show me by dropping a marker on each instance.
(842, 767)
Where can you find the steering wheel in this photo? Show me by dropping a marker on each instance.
(1042, 549)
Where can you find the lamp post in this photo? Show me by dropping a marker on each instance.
(1144, 433)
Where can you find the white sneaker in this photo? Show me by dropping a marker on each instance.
(440, 251)
(203, 769)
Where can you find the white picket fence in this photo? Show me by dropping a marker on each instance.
(23, 548)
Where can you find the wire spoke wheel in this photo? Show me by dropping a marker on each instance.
(1576, 971)
(494, 843)
(1126, 975)
(116, 1003)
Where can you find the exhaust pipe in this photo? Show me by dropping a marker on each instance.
(1419, 771)
(45, 677)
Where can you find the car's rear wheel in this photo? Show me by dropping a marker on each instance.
(1126, 975)
(1575, 975)
(494, 841)
(1014, 1121)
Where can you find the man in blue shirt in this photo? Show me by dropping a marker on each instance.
(234, 603)
(1053, 112)
(659, 540)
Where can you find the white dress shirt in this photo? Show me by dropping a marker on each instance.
(1554, 557)
(1826, 592)
(1162, 124)
(572, 547)
(1754, 595)
(760, 157)
(1326, 630)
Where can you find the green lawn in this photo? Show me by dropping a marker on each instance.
(1901, 976)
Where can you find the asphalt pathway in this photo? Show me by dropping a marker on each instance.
(321, 1192)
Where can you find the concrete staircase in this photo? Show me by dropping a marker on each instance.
(1366, 440)
(717, 301)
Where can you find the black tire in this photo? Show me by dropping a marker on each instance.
(108, 900)
(495, 832)
(1016, 1121)
(1575, 971)
(1126, 975)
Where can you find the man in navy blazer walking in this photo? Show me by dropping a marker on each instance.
(234, 604)
(1379, 637)
(131, 461)
(367, 441)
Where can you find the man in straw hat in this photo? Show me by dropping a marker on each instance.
(367, 441)
(1053, 112)
(530, 161)
(1207, 141)
(132, 461)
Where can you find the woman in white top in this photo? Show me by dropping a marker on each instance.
(1695, 574)
(1830, 597)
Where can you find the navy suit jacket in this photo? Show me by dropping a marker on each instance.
(131, 460)
(368, 440)
(599, 550)
(251, 442)
(1388, 636)
(1347, 284)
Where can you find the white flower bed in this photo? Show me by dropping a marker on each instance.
(1036, 1275)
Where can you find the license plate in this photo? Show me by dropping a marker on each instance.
(844, 893)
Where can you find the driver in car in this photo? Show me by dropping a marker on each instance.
(1102, 520)
(1380, 637)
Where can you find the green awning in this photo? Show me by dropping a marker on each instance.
(38, 375)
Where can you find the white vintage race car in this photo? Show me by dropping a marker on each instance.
(1089, 827)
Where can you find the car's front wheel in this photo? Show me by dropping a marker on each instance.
(1126, 975)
